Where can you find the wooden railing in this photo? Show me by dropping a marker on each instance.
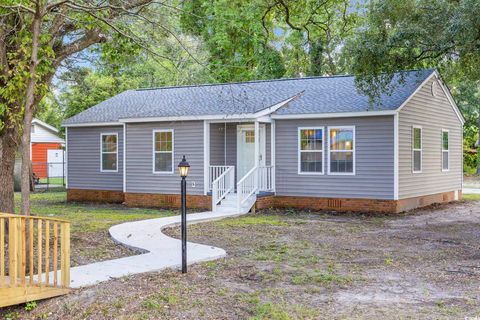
(247, 188)
(265, 178)
(223, 185)
(34, 258)
(214, 172)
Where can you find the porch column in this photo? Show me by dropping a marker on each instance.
(257, 151)
(272, 150)
(206, 157)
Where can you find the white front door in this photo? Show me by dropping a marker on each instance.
(246, 149)
(55, 163)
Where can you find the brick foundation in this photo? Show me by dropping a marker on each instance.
(266, 202)
(355, 205)
(172, 201)
(104, 196)
(423, 201)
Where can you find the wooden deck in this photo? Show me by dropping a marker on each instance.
(34, 258)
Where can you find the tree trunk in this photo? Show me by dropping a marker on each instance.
(8, 149)
(478, 145)
(28, 113)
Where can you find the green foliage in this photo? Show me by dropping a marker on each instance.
(413, 34)
(30, 306)
(263, 40)
(90, 88)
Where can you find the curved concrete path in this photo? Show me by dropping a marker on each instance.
(160, 250)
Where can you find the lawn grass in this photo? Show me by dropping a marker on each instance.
(471, 197)
(56, 181)
(91, 217)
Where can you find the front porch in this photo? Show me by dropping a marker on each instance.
(239, 163)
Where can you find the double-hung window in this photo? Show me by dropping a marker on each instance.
(341, 150)
(445, 150)
(109, 152)
(310, 141)
(163, 151)
(417, 149)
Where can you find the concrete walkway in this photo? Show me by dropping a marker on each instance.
(160, 250)
(471, 191)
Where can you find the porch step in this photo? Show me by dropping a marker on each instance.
(229, 204)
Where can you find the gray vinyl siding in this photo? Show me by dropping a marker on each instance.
(217, 144)
(374, 144)
(188, 141)
(83, 156)
(432, 113)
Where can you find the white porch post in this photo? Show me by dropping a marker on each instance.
(257, 152)
(206, 156)
(272, 150)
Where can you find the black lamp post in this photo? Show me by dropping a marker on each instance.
(183, 167)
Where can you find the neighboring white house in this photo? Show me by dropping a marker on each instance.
(46, 150)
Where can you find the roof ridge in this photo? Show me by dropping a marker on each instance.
(266, 80)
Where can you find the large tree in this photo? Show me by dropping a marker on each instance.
(411, 34)
(36, 38)
(265, 39)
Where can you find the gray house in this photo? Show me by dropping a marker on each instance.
(315, 143)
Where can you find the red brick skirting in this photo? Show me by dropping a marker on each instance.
(309, 203)
(167, 200)
(354, 205)
(423, 201)
(106, 196)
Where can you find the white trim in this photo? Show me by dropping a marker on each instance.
(395, 157)
(44, 124)
(155, 152)
(66, 158)
(299, 151)
(354, 151)
(443, 150)
(124, 157)
(206, 156)
(92, 124)
(272, 153)
(334, 115)
(413, 148)
(109, 152)
(246, 117)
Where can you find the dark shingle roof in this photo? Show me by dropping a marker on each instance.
(320, 95)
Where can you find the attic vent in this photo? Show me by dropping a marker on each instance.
(434, 88)
(334, 203)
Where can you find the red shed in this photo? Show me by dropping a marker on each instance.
(46, 150)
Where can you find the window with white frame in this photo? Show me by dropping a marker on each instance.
(417, 149)
(341, 150)
(310, 150)
(445, 150)
(163, 151)
(109, 152)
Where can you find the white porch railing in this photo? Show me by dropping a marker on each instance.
(265, 178)
(247, 188)
(214, 172)
(222, 185)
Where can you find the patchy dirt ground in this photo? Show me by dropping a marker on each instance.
(300, 265)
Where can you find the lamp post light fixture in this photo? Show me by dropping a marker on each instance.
(183, 167)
